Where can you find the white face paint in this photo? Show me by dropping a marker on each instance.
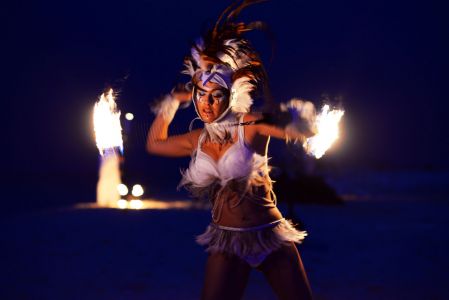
(211, 100)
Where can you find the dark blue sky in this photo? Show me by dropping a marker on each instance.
(386, 60)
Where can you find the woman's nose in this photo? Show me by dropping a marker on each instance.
(210, 99)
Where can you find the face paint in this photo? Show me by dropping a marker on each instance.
(211, 101)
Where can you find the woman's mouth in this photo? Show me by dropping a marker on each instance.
(208, 113)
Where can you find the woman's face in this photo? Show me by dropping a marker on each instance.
(211, 100)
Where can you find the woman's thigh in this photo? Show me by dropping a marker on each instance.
(226, 277)
(285, 273)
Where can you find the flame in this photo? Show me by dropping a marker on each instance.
(108, 131)
(327, 131)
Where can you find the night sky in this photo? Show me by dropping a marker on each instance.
(385, 62)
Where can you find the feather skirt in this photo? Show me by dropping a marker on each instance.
(250, 242)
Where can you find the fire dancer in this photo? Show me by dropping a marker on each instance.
(229, 165)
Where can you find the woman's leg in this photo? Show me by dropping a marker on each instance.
(226, 277)
(285, 273)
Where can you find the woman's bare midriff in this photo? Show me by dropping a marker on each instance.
(247, 213)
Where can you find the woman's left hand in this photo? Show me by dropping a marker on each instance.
(181, 93)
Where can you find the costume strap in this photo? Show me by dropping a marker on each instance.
(241, 130)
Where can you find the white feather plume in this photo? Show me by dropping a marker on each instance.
(236, 61)
(189, 69)
(303, 115)
(241, 100)
(227, 60)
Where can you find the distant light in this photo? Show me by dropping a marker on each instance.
(129, 116)
(135, 204)
(122, 189)
(122, 204)
(137, 190)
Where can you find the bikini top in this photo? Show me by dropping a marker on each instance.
(239, 162)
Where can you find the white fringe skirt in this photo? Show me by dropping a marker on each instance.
(252, 244)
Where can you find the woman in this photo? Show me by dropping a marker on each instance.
(229, 163)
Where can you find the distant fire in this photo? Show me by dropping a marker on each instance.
(108, 135)
(327, 122)
(111, 192)
(108, 131)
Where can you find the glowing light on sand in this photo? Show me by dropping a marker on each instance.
(147, 204)
(327, 122)
(108, 131)
(129, 116)
(153, 204)
(137, 190)
(122, 189)
(122, 204)
(135, 204)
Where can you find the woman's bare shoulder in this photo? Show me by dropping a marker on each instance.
(254, 128)
(252, 116)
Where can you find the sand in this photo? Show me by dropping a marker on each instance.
(384, 247)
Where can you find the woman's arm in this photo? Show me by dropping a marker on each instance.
(158, 141)
(266, 129)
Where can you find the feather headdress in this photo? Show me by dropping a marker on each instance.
(223, 56)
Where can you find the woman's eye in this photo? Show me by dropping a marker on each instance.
(218, 95)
